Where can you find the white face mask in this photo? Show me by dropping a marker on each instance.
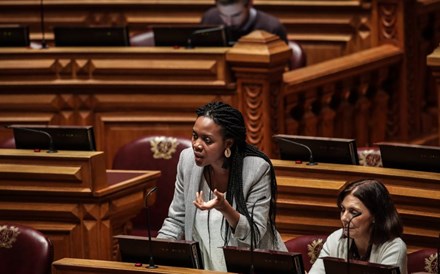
(233, 15)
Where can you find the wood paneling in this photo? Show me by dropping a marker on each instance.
(71, 198)
(126, 93)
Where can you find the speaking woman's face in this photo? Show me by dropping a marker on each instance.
(360, 226)
(208, 143)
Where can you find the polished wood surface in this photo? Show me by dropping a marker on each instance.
(307, 199)
(326, 29)
(126, 93)
(71, 198)
(82, 266)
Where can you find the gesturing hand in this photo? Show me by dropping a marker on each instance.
(218, 202)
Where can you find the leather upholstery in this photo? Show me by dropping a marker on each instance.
(309, 246)
(24, 250)
(8, 143)
(153, 153)
(299, 57)
(142, 39)
(423, 260)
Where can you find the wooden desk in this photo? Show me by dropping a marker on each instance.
(81, 266)
(128, 92)
(71, 198)
(307, 199)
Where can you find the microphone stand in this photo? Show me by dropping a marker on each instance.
(252, 270)
(151, 261)
(51, 145)
(348, 241)
(311, 161)
(43, 39)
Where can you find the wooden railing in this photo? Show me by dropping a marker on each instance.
(356, 96)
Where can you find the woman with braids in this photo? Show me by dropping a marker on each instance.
(369, 217)
(222, 186)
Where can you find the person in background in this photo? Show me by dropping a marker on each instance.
(241, 18)
(223, 185)
(368, 211)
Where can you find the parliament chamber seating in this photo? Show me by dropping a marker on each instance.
(24, 250)
(309, 246)
(8, 143)
(142, 39)
(297, 60)
(299, 57)
(423, 260)
(153, 153)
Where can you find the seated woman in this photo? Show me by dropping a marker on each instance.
(368, 211)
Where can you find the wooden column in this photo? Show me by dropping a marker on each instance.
(433, 61)
(258, 62)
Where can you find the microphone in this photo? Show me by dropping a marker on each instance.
(311, 161)
(348, 240)
(51, 145)
(252, 270)
(43, 39)
(151, 262)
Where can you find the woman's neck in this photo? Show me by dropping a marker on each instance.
(217, 178)
(362, 245)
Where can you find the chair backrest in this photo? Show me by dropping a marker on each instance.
(423, 260)
(309, 246)
(153, 153)
(8, 143)
(24, 250)
(142, 39)
(299, 57)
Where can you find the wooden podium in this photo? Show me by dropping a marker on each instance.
(71, 198)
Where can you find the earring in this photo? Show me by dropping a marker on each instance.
(227, 152)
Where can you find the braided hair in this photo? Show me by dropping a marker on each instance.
(233, 127)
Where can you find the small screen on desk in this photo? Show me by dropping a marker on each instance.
(239, 260)
(91, 36)
(179, 253)
(63, 137)
(410, 157)
(323, 149)
(189, 36)
(14, 36)
(339, 266)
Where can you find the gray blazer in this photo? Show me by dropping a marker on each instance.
(389, 253)
(256, 183)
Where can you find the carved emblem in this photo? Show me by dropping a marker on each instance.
(163, 147)
(314, 248)
(431, 263)
(8, 235)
